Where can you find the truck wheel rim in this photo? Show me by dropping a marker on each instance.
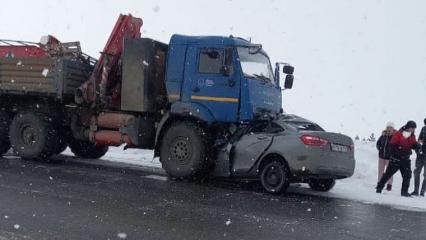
(181, 150)
(28, 135)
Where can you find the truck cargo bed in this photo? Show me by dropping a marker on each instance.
(42, 76)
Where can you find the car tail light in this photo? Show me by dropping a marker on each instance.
(313, 140)
(352, 147)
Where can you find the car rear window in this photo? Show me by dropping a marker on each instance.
(305, 126)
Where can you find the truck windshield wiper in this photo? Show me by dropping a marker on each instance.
(264, 78)
(249, 76)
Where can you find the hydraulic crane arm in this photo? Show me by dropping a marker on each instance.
(104, 75)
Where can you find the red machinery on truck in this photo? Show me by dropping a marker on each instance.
(53, 76)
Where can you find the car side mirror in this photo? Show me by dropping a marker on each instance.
(289, 79)
(288, 69)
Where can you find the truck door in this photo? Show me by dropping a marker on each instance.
(215, 85)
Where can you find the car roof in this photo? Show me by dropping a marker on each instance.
(293, 118)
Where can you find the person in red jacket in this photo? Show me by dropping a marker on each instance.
(401, 144)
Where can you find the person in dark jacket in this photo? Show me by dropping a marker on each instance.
(384, 152)
(401, 144)
(420, 164)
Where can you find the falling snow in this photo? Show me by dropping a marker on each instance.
(45, 72)
(122, 235)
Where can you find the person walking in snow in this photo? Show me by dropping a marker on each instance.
(401, 144)
(382, 146)
(420, 164)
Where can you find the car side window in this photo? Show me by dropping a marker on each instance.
(266, 127)
(211, 61)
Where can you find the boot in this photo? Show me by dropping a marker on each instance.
(389, 187)
(422, 192)
(415, 193)
(379, 187)
(405, 194)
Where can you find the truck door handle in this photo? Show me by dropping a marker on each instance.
(196, 89)
(231, 82)
(262, 137)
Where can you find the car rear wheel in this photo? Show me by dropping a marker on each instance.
(321, 185)
(274, 177)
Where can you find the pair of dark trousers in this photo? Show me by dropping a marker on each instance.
(404, 166)
(420, 164)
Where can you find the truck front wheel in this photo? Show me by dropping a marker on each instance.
(183, 150)
(4, 133)
(86, 149)
(33, 136)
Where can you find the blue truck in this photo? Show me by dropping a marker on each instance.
(185, 100)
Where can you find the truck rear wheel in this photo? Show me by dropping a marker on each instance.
(33, 136)
(4, 132)
(62, 145)
(183, 152)
(86, 149)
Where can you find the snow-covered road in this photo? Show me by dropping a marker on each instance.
(360, 187)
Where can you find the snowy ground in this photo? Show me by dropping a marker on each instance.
(360, 187)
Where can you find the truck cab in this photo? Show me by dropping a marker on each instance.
(220, 79)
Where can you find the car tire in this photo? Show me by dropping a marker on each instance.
(321, 185)
(274, 177)
(184, 151)
(4, 133)
(33, 136)
(86, 149)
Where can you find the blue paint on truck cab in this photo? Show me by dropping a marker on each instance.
(220, 79)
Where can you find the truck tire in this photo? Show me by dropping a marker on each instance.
(184, 150)
(4, 133)
(86, 149)
(63, 138)
(62, 145)
(321, 185)
(33, 136)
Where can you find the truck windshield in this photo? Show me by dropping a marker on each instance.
(255, 65)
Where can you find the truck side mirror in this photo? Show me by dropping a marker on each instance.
(288, 69)
(288, 84)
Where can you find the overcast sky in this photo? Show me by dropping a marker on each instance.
(358, 63)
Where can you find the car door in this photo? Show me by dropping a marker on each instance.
(212, 87)
(250, 147)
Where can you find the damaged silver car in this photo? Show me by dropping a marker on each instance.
(287, 150)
